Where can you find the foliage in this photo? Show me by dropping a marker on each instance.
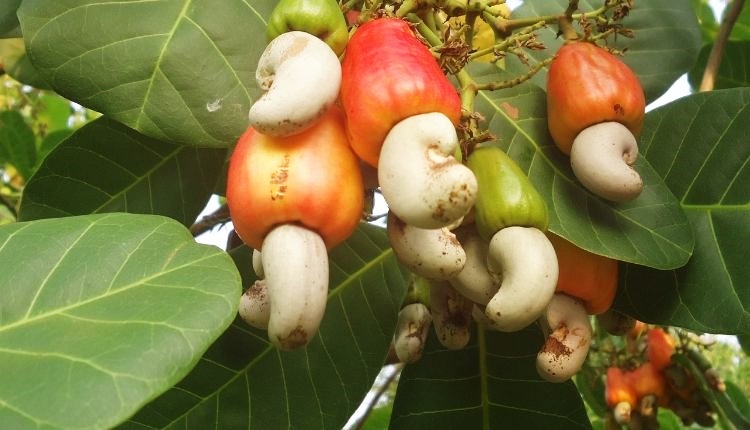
(116, 120)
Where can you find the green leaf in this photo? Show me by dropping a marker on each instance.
(50, 142)
(734, 70)
(17, 65)
(699, 145)
(706, 19)
(739, 398)
(744, 341)
(667, 40)
(9, 26)
(651, 230)
(111, 168)
(176, 70)
(243, 382)
(741, 28)
(17, 143)
(101, 314)
(491, 383)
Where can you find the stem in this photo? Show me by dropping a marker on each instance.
(508, 25)
(219, 216)
(378, 394)
(714, 58)
(492, 86)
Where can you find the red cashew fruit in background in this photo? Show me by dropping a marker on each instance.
(660, 346)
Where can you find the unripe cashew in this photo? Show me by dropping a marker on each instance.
(523, 261)
(258, 264)
(301, 76)
(421, 181)
(474, 280)
(451, 315)
(565, 350)
(412, 328)
(254, 305)
(295, 262)
(431, 253)
(601, 159)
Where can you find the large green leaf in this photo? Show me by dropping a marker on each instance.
(699, 144)
(177, 70)
(107, 167)
(667, 39)
(652, 230)
(17, 143)
(491, 383)
(734, 70)
(102, 313)
(9, 26)
(243, 382)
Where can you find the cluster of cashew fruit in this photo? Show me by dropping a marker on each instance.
(660, 374)
(502, 269)
(595, 110)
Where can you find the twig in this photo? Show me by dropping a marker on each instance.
(717, 52)
(219, 216)
(378, 394)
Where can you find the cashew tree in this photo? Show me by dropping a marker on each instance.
(551, 251)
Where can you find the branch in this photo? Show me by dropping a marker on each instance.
(378, 394)
(714, 58)
(219, 216)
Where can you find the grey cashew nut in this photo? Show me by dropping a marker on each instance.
(255, 307)
(295, 262)
(601, 158)
(431, 253)
(421, 181)
(451, 315)
(524, 264)
(412, 327)
(301, 77)
(567, 345)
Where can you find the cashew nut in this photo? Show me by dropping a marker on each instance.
(254, 305)
(412, 328)
(301, 76)
(431, 253)
(601, 158)
(474, 280)
(524, 264)
(421, 181)
(258, 264)
(566, 347)
(295, 263)
(451, 315)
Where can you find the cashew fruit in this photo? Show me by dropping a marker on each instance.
(321, 18)
(506, 196)
(311, 178)
(387, 76)
(587, 85)
(589, 277)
